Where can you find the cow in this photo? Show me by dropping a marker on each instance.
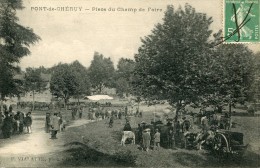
(127, 135)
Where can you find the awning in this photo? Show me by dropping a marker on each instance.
(99, 97)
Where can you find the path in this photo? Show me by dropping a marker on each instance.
(33, 149)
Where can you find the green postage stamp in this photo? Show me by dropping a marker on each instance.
(241, 21)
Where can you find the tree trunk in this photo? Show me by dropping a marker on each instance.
(1, 110)
(19, 101)
(100, 88)
(65, 104)
(33, 101)
(229, 108)
(178, 107)
(1, 104)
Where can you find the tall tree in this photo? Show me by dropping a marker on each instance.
(101, 72)
(123, 76)
(14, 44)
(169, 63)
(63, 82)
(229, 77)
(255, 89)
(82, 79)
(33, 82)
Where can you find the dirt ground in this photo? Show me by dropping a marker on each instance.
(35, 149)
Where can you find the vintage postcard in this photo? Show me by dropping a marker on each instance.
(129, 83)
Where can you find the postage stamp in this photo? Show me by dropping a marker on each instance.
(241, 21)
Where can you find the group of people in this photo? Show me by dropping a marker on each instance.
(12, 123)
(76, 110)
(54, 123)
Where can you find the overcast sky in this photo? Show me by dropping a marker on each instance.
(76, 35)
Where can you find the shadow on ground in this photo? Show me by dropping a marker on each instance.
(250, 159)
(245, 114)
(80, 154)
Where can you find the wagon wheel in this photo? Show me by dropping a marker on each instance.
(221, 146)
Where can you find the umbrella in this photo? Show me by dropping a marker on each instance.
(99, 97)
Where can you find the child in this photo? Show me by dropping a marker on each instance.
(157, 138)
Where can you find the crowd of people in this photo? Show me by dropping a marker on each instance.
(12, 123)
(173, 133)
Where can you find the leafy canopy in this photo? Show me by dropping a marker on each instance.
(170, 61)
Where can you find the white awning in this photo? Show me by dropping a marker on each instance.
(99, 97)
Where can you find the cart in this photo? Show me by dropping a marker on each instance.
(228, 144)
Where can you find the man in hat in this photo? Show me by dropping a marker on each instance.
(54, 125)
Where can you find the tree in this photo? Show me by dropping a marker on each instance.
(123, 76)
(63, 82)
(170, 61)
(101, 72)
(255, 89)
(14, 44)
(230, 76)
(82, 79)
(33, 82)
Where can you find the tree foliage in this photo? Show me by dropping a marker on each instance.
(170, 61)
(82, 79)
(33, 81)
(63, 82)
(14, 44)
(101, 72)
(180, 63)
(230, 75)
(124, 75)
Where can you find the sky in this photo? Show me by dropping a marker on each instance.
(92, 25)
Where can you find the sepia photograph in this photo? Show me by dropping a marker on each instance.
(129, 83)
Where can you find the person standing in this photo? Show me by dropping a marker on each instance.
(171, 139)
(48, 122)
(16, 123)
(157, 138)
(177, 132)
(28, 122)
(186, 125)
(7, 125)
(146, 140)
(127, 127)
(111, 121)
(126, 110)
(54, 125)
(80, 112)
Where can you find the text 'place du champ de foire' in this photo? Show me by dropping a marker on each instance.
(93, 9)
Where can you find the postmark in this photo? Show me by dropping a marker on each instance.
(241, 21)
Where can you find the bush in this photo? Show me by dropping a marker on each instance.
(125, 158)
